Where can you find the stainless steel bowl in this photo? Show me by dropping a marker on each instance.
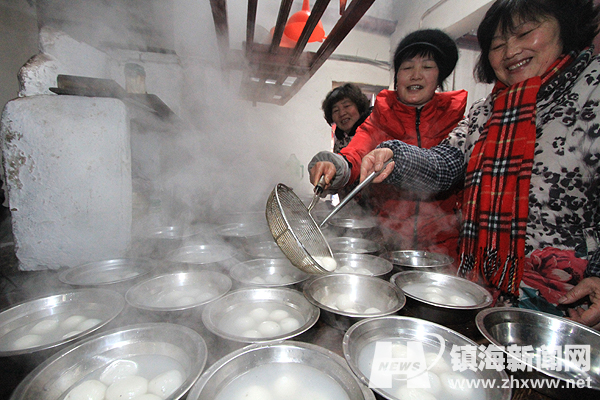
(345, 299)
(241, 233)
(267, 272)
(263, 249)
(158, 241)
(363, 337)
(117, 274)
(217, 257)
(443, 313)
(419, 260)
(362, 264)
(178, 291)
(163, 345)
(506, 326)
(58, 315)
(353, 245)
(253, 359)
(353, 226)
(217, 313)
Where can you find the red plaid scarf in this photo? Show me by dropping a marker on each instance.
(496, 202)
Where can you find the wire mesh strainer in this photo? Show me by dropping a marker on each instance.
(295, 231)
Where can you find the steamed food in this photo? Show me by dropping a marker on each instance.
(148, 377)
(435, 294)
(47, 330)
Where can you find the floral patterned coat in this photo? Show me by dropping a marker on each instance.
(564, 196)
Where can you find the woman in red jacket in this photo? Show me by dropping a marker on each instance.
(416, 114)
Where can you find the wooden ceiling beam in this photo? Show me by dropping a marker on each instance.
(251, 22)
(315, 16)
(219, 12)
(282, 17)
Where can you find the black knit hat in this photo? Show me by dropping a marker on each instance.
(428, 41)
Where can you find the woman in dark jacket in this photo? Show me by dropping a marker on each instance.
(345, 108)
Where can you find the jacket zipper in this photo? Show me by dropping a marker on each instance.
(418, 203)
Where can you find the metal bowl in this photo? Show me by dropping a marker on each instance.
(435, 306)
(506, 326)
(159, 347)
(118, 274)
(362, 264)
(263, 249)
(217, 257)
(267, 272)
(283, 367)
(58, 315)
(218, 316)
(344, 226)
(384, 333)
(419, 260)
(178, 291)
(241, 233)
(345, 299)
(353, 245)
(158, 241)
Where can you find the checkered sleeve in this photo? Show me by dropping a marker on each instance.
(427, 170)
(593, 267)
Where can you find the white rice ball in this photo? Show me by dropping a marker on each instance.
(278, 315)
(269, 328)
(88, 390)
(165, 384)
(127, 388)
(259, 314)
(289, 324)
(244, 323)
(88, 324)
(118, 369)
(71, 322)
(45, 326)
(27, 341)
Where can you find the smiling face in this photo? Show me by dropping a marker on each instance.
(526, 51)
(417, 79)
(345, 114)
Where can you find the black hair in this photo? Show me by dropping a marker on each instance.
(347, 91)
(428, 42)
(577, 20)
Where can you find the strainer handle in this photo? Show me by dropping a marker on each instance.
(353, 193)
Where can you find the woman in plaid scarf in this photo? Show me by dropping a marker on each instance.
(529, 156)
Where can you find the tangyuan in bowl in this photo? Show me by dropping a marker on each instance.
(362, 264)
(178, 291)
(353, 245)
(409, 358)
(146, 361)
(346, 298)
(419, 260)
(252, 315)
(52, 321)
(286, 370)
(268, 272)
(107, 272)
(441, 298)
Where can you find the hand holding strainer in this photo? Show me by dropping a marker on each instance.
(296, 232)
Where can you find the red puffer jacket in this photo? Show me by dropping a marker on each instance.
(411, 220)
